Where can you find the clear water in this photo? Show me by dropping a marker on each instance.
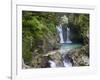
(70, 45)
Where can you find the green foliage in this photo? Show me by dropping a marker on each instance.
(26, 50)
(36, 28)
(84, 24)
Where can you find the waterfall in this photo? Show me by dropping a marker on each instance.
(68, 36)
(59, 29)
(63, 32)
(60, 32)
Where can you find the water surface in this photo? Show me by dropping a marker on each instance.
(70, 45)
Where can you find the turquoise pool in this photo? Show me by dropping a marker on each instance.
(70, 45)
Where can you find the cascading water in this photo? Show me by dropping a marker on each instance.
(60, 32)
(64, 33)
(52, 64)
(66, 62)
(66, 46)
(68, 35)
(59, 29)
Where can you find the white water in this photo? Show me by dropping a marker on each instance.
(52, 64)
(62, 51)
(68, 35)
(67, 64)
(59, 29)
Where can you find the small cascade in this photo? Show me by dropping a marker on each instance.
(52, 64)
(64, 35)
(67, 64)
(63, 51)
(68, 36)
(66, 61)
(60, 32)
(59, 29)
